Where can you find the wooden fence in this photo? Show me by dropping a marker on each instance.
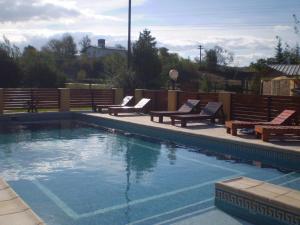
(261, 108)
(87, 97)
(243, 107)
(49, 98)
(159, 99)
(20, 98)
(203, 97)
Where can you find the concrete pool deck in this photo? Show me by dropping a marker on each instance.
(13, 210)
(201, 129)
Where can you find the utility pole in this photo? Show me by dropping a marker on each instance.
(200, 47)
(129, 37)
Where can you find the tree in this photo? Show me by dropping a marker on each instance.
(11, 50)
(146, 63)
(168, 61)
(63, 52)
(115, 70)
(41, 75)
(84, 43)
(279, 51)
(64, 48)
(218, 56)
(10, 72)
(211, 59)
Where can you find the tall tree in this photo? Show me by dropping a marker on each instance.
(146, 62)
(64, 48)
(11, 50)
(211, 59)
(279, 51)
(10, 72)
(84, 43)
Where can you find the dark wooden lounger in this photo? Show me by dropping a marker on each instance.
(126, 100)
(138, 108)
(209, 112)
(285, 118)
(266, 131)
(189, 106)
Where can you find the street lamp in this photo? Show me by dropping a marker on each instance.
(129, 36)
(173, 74)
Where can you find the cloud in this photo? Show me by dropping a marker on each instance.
(25, 10)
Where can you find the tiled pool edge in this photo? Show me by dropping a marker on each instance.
(237, 198)
(277, 157)
(14, 211)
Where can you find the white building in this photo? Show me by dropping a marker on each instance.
(101, 50)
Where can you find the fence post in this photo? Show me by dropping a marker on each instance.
(172, 100)
(1, 101)
(138, 95)
(118, 95)
(64, 99)
(225, 98)
(269, 107)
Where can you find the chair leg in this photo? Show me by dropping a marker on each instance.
(265, 136)
(228, 130)
(151, 118)
(183, 123)
(160, 119)
(173, 121)
(234, 131)
(258, 135)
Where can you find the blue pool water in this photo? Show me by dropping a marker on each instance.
(71, 173)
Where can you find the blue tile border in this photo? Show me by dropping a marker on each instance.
(279, 158)
(254, 211)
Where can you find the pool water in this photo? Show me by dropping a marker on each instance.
(72, 173)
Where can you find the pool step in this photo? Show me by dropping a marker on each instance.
(258, 202)
(13, 210)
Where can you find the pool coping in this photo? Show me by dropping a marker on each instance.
(254, 200)
(263, 146)
(14, 209)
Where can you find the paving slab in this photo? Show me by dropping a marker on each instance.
(201, 129)
(13, 210)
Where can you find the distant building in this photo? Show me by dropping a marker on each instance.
(283, 80)
(101, 50)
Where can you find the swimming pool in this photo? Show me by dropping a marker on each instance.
(72, 173)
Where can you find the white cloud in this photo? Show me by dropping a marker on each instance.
(35, 21)
(15, 11)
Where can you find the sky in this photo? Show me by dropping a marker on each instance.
(248, 28)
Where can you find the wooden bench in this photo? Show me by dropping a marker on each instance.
(265, 132)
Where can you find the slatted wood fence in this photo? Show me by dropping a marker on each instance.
(87, 97)
(203, 97)
(261, 108)
(19, 98)
(159, 99)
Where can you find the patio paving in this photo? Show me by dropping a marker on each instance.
(13, 211)
(202, 129)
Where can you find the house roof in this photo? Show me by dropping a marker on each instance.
(288, 70)
(108, 48)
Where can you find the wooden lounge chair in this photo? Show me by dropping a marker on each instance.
(286, 117)
(126, 100)
(188, 107)
(139, 107)
(266, 131)
(209, 112)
